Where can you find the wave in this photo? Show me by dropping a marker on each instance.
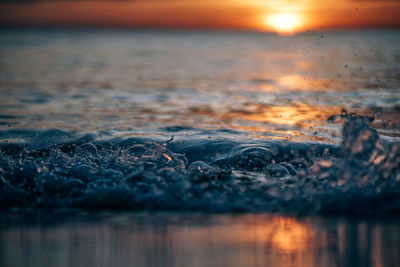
(58, 169)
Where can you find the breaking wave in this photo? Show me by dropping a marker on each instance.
(54, 168)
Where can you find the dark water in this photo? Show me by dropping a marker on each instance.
(361, 176)
(306, 125)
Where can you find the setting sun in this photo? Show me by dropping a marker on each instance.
(285, 17)
(284, 23)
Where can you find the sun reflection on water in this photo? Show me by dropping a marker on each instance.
(142, 239)
(284, 234)
(297, 114)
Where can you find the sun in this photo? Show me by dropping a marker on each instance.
(284, 23)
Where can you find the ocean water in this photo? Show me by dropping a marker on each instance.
(204, 122)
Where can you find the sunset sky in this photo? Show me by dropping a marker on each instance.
(283, 16)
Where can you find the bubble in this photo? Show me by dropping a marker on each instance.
(227, 176)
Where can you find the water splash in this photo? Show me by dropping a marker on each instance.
(59, 169)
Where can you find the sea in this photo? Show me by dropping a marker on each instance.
(130, 147)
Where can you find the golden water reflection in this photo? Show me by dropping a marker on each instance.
(281, 234)
(294, 121)
(170, 239)
(299, 114)
(297, 82)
